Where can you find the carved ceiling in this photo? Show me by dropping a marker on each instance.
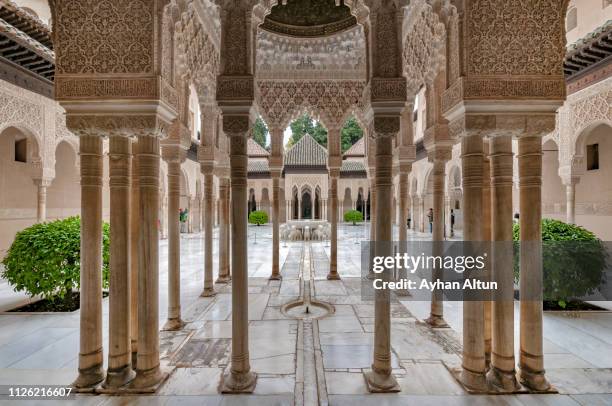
(309, 18)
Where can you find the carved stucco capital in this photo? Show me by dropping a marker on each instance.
(117, 125)
(386, 126)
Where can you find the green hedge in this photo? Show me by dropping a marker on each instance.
(573, 258)
(44, 259)
(353, 216)
(258, 217)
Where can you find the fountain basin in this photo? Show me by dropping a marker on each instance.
(298, 309)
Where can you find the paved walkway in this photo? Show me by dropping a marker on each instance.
(300, 362)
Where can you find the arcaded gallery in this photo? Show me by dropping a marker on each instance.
(306, 202)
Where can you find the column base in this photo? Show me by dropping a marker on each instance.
(173, 324)
(275, 277)
(435, 321)
(89, 378)
(148, 381)
(117, 378)
(234, 382)
(473, 381)
(535, 381)
(333, 276)
(208, 292)
(381, 383)
(223, 279)
(502, 381)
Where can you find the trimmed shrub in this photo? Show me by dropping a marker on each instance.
(258, 217)
(573, 259)
(45, 258)
(353, 216)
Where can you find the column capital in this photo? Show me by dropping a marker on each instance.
(173, 153)
(126, 125)
(494, 124)
(207, 167)
(386, 125)
(42, 182)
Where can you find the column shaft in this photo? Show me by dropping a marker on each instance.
(134, 249)
(120, 370)
(502, 375)
(91, 371)
(148, 372)
(436, 317)
(473, 365)
(403, 206)
(275, 227)
(531, 362)
(223, 231)
(174, 321)
(208, 235)
(333, 260)
(41, 208)
(380, 378)
(570, 194)
(239, 378)
(487, 236)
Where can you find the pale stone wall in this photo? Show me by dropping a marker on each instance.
(591, 14)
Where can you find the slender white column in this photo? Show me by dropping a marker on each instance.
(224, 271)
(487, 235)
(502, 375)
(333, 195)
(531, 362)
(41, 208)
(473, 364)
(436, 315)
(275, 226)
(134, 249)
(403, 206)
(209, 289)
(91, 371)
(148, 371)
(174, 158)
(120, 370)
(380, 378)
(239, 378)
(570, 199)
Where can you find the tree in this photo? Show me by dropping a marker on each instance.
(44, 259)
(260, 133)
(353, 216)
(258, 217)
(351, 133)
(306, 125)
(573, 261)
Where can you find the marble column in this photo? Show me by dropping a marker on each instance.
(373, 206)
(224, 254)
(570, 199)
(91, 370)
(239, 378)
(333, 196)
(275, 225)
(209, 289)
(531, 362)
(340, 209)
(120, 370)
(412, 208)
(41, 207)
(148, 371)
(436, 315)
(502, 374)
(134, 249)
(486, 236)
(403, 206)
(473, 364)
(380, 378)
(174, 158)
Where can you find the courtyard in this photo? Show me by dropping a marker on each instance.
(301, 362)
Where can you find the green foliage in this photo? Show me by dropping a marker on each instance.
(183, 215)
(258, 217)
(353, 216)
(44, 259)
(260, 132)
(306, 125)
(351, 133)
(573, 259)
